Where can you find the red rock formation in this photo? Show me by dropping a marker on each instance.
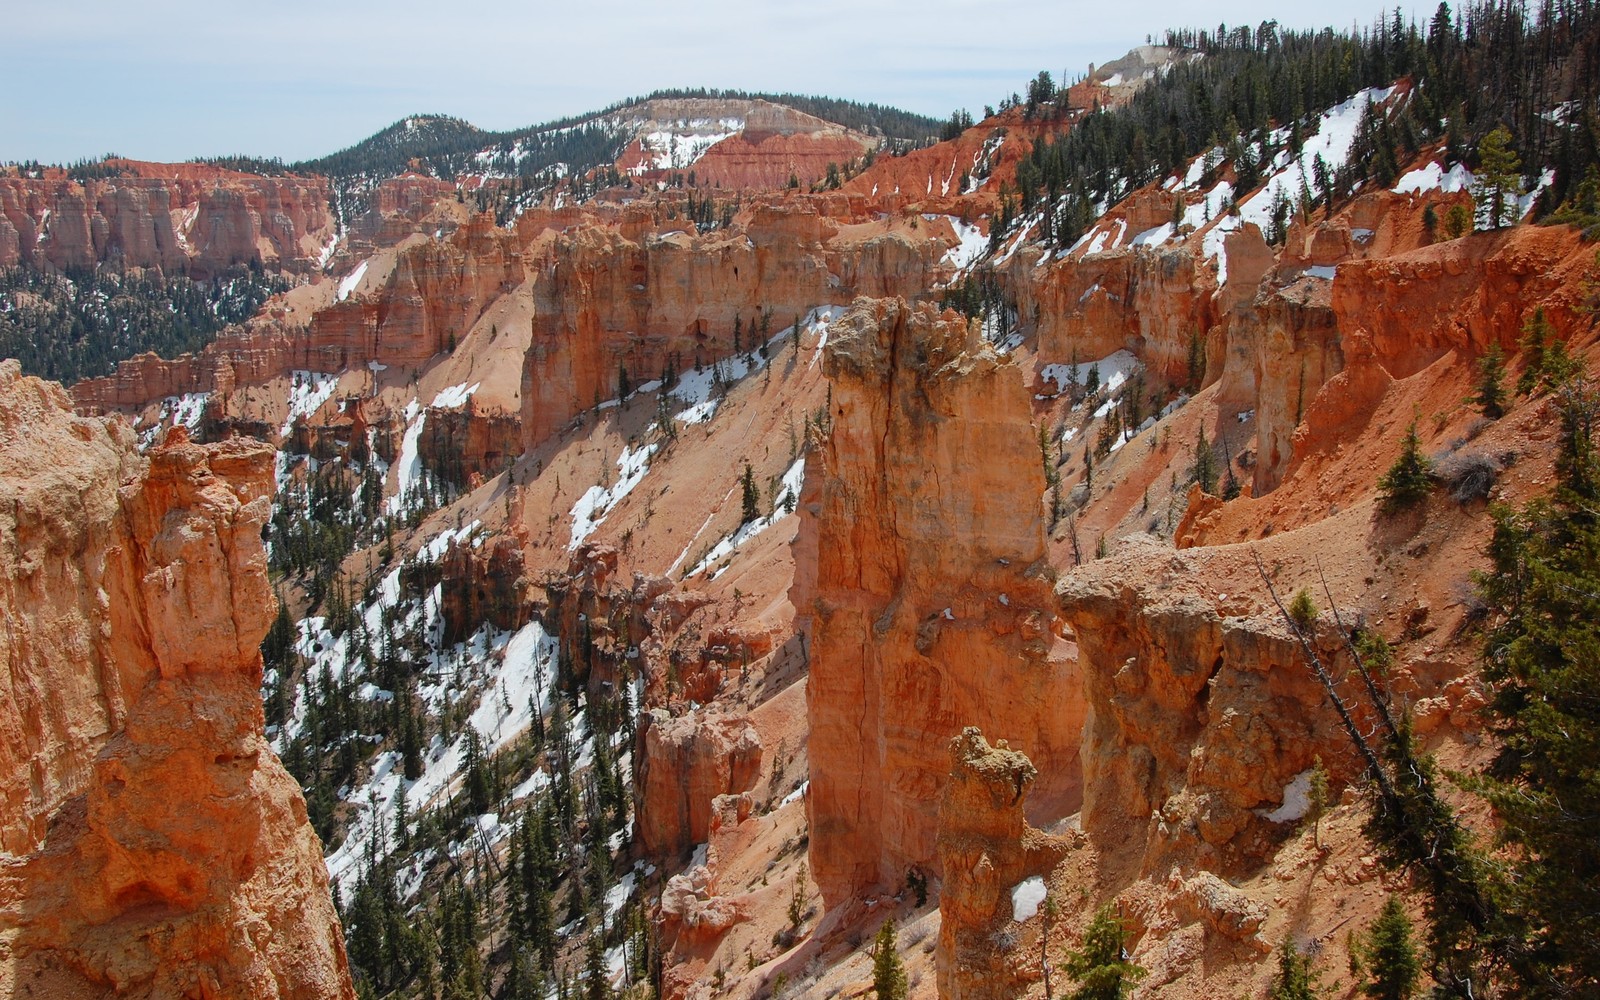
(685, 762)
(434, 294)
(602, 300)
(1198, 716)
(483, 584)
(595, 617)
(458, 443)
(769, 142)
(920, 576)
(192, 218)
(986, 848)
(156, 846)
(1146, 301)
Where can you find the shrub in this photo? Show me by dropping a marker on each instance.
(1470, 475)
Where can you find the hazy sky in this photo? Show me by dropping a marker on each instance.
(173, 79)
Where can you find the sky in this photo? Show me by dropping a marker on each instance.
(168, 80)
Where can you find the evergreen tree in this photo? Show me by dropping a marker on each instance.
(1386, 956)
(1409, 479)
(1491, 395)
(1204, 469)
(750, 506)
(1297, 977)
(1197, 362)
(597, 985)
(478, 785)
(1536, 334)
(1101, 968)
(888, 972)
(1542, 655)
(1317, 801)
(1498, 182)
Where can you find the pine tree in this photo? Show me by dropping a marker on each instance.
(478, 790)
(1543, 595)
(888, 972)
(750, 506)
(1297, 977)
(1386, 955)
(1536, 333)
(597, 983)
(1317, 801)
(1204, 469)
(1197, 362)
(1491, 395)
(1101, 967)
(1499, 180)
(1409, 479)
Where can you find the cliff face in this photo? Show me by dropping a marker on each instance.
(155, 846)
(684, 763)
(604, 301)
(430, 299)
(194, 219)
(920, 576)
(986, 848)
(1200, 712)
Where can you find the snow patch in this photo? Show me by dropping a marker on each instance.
(1026, 898)
(351, 280)
(307, 393)
(1296, 800)
(788, 491)
(591, 509)
(455, 396)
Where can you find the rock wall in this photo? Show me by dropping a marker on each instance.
(154, 845)
(435, 293)
(1199, 715)
(921, 579)
(986, 848)
(604, 301)
(185, 217)
(685, 762)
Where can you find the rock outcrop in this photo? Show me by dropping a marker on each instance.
(986, 849)
(921, 578)
(190, 218)
(604, 302)
(1199, 716)
(685, 762)
(154, 846)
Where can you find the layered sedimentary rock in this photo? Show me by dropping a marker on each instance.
(734, 143)
(154, 846)
(429, 301)
(1147, 301)
(604, 302)
(483, 584)
(921, 578)
(685, 762)
(986, 848)
(195, 219)
(1199, 717)
(468, 444)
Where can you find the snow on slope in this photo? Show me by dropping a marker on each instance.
(788, 495)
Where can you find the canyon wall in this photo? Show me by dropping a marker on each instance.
(186, 217)
(922, 581)
(603, 301)
(154, 846)
(1200, 712)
